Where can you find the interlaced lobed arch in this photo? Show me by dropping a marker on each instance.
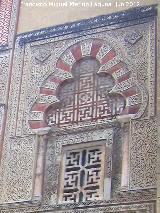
(125, 94)
(86, 97)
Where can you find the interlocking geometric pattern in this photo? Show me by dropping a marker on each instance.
(87, 97)
(83, 175)
(5, 15)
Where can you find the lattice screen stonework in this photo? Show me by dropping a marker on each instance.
(82, 174)
(87, 96)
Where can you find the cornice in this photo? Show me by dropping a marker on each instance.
(120, 19)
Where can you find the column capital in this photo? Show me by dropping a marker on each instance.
(42, 131)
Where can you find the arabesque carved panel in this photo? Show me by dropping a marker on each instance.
(143, 154)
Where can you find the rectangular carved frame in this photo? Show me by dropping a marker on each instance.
(55, 147)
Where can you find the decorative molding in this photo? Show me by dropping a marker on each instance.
(153, 68)
(91, 206)
(140, 14)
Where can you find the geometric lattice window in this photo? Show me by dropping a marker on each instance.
(82, 173)
(87, 97)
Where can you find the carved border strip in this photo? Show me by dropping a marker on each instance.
(9, 13)
(152, 70)
(149, 207)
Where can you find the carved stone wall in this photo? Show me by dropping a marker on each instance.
(38, 72)
(123, 45)
(144, 145)
(8, 21)
(8, 12)
(4, 81)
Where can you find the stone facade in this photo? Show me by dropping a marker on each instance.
(80, 117)
(8, 22)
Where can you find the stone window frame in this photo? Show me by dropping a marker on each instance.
(101, 136)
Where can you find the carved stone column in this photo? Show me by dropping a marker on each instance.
(125, 157)
(41, 141)
(2, 124)
(125, 125)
